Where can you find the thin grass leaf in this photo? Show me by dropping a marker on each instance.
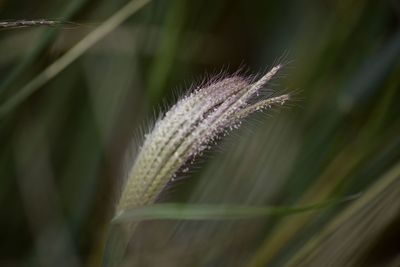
(179, 211)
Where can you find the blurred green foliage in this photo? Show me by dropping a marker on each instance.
(63, 149)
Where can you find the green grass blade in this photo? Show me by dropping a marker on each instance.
(178, 211)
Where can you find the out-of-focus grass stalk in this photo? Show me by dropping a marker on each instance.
(365, 149)
(322, 189)
(346, 239)
(75, 52)
(169, 47)
(333, 175)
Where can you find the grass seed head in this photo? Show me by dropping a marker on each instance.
(187, 129)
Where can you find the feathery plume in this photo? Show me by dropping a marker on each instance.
(187, 129)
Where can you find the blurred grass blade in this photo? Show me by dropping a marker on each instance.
(354, 237)
(169, 48)
(178, 211)
(115, 247)
(74, 53)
